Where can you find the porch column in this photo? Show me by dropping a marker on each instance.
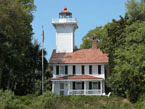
(101, 87)
(68, 87)
(53, 85)
(85, 88)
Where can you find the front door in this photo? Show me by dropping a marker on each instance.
(61, 88)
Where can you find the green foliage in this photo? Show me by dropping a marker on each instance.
(124, 42)
(141, 102)
(75, 47)
(8, 100)
(50, 101)
(135, 10)
(47, 100)
(97, 33)
(20, 58)
(129, 66)
(86, 44)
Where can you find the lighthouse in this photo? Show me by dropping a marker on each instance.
(65, 27)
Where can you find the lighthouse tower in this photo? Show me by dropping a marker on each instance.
(65, 27)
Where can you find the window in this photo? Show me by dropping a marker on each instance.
(57, 70)
(74, 70)
(66, 69)
(90, 69)
(61, 92)
(83, 69)
(82, 85)
(99, 85)
(94, 85)
(61, 85)
(74, 86)
(99, 69)
(90, 85)
(78, 85)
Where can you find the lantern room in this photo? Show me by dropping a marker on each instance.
(65, 27)
(65, 14)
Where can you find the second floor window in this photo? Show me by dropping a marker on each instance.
(99, 69)
(74, 70)
(90, 69)
(57, 70)
(66, 69)
(83, 69)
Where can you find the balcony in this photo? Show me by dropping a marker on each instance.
(64, 20)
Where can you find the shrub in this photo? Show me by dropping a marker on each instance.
(110, 105)
(47, 100)
(125, 105)
(140, 104)
(8, 100)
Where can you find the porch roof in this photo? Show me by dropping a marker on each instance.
(76, 77)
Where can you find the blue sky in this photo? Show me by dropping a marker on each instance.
(89, 13)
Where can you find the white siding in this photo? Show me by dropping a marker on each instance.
(86, 69)
(102, 69)
(95, 69)
(70, 69)
(56, 88)
(78, 69)
(64, 38)
(61, 70)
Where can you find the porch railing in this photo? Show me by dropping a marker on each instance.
(85, 92)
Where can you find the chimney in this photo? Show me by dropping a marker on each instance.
(94, 43)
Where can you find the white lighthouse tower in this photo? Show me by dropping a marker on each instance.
(65, 27)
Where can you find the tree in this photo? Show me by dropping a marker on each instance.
(97, 33)
(129, 69)
(124, 42)
(19, 57)
(15, 34)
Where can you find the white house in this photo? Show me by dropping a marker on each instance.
(77, 72)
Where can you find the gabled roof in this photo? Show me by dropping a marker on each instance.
(79, 56)
(76, 77)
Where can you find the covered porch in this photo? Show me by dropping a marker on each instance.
(94, 87)
(79, 87)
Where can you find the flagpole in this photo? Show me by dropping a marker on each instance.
(42, 61)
